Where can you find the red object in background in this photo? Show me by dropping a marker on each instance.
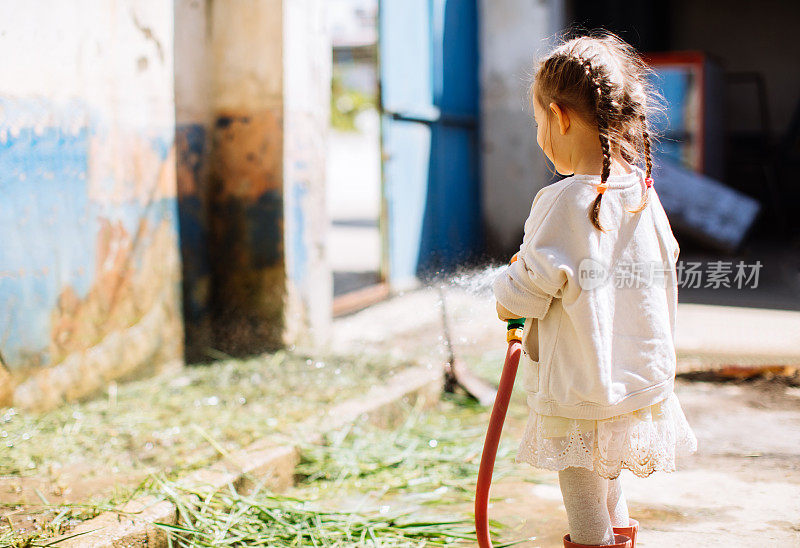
(492, 441)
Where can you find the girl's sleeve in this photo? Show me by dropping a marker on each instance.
(529, 284)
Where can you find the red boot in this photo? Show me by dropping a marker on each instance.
(620, 541)
(630, 530)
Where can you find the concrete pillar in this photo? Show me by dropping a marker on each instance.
(307, 59)
(270, 80)
(512, 34)
(246, 248)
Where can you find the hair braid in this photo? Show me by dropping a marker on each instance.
(648, 162)
(646, 139)
(602, 110)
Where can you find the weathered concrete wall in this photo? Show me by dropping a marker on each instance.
(89, 265)
(251, 171)
(512, 34)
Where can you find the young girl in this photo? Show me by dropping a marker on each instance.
(595, 276)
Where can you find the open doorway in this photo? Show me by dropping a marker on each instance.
(354, 157)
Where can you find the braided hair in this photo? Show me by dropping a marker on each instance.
(603, 78)
(603, 112)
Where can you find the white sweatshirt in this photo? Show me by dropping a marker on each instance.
(600, 335)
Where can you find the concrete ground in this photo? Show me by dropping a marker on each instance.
(741, 488)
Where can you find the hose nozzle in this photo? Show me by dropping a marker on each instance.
(515, 329)
(516, 325)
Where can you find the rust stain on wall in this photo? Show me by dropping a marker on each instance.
(135, 275)
(248, 154)
(111, 302)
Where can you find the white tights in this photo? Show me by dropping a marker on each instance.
(594, 505)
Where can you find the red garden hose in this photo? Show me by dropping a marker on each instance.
(495, 429)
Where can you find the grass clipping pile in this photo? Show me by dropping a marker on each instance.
(410, 486)
(147, 425)
(97, 454)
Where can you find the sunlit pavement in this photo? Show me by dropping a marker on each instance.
(740, 489)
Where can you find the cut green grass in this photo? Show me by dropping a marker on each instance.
(434, 453)
(367, 486)
(164, 424)
(146, 425)
(228, 518)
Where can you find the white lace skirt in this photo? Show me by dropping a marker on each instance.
(642, 441)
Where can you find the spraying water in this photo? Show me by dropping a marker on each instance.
(478, 282)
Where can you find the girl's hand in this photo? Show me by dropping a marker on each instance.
(505, 314)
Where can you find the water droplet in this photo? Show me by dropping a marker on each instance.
(385, 509)
(433, 443)
(213, 400)
(241, 400)
(272, 421)
(26, 436)
(337, 371)
(148, 446)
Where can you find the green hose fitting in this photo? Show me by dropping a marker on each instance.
(515, 327)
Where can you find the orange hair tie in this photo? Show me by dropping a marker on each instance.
(602, 187)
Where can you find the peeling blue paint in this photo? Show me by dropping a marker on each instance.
(48, 232)
(49, 222)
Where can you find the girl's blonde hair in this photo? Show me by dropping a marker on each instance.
(604, 80)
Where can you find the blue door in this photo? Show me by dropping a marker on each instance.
(429, 100)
